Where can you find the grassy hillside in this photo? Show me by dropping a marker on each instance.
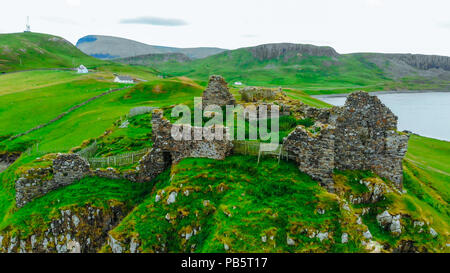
(24, 51)
(233, 205)
(342, 73)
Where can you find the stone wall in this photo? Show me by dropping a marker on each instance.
(255, 94)
(314, 152)
(66, 169)
(167, 150)
(217, 93)
(361, 136)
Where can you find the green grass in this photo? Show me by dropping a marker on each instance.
(135, 137)
(24, 51)
(245, 202)
(91, 190)
(312, 74)
(22, 111)
(427, 180)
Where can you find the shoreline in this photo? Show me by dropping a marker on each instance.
(381, 93)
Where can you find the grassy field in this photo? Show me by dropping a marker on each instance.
(24, 110)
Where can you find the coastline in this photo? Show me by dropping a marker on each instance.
(381, 93)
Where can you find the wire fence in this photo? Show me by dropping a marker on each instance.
(89, 151)
(261, 149)
(118, 160)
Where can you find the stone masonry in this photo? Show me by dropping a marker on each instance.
(314, 153)
(167, 150)
(217, 93)
(66, 169)
(361, 135)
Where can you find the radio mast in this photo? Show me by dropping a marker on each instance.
(28, 28)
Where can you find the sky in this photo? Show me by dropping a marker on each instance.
(389, 26)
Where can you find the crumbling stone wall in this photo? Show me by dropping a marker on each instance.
(167, 150)
(66, 169)
(314, 152)
(217, 93)
(364, 138)
(255, 94)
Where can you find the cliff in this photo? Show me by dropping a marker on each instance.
(286, 50)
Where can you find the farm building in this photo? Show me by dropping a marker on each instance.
(124, 79)
(82, 69)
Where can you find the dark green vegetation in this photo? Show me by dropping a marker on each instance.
(313, 74)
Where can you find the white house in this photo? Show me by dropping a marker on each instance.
(82, 69)
(238, 83)
(124, 79)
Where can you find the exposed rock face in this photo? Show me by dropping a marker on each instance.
(361, 135)
(155, 58)
(66, 169)
(167, 150)
(77, 230)
(6, 159)
(390, 222)
(424, 62)
(286, 50)
(217, 93)
(377, 188)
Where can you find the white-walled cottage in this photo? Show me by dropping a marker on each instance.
(123, 79)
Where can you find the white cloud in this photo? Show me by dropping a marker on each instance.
(156, 21)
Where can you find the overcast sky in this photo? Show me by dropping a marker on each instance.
(406, 26)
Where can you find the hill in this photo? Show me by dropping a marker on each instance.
(239, 204)
(108, 47)
(25, 51)
(314, 68)
(153, 59)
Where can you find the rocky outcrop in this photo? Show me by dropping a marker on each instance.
(423, 62)
(155, 58)
(169, 149)
(76, 230)
(390, 222)
(361, 135)
(66, 169)
(217, 93)
(287, 51)
(376, 190)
